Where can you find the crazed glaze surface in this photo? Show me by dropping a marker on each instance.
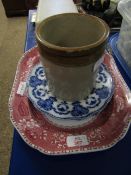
(61, 78)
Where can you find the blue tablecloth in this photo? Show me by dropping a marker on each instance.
(27, 161)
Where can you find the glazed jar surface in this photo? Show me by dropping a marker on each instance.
(70, 45)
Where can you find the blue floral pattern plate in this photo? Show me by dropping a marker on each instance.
(43, 100)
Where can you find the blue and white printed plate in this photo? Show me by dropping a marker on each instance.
(43, 100)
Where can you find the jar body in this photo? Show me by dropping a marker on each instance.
(67, 82)
(70, 44)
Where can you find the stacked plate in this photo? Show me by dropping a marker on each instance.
(58, 127)
(67, 114)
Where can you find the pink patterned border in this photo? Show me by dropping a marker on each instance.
(109, 128)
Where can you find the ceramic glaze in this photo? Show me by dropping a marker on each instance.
(70, 44)
(68, 83)
(107, 129)
(41, 96)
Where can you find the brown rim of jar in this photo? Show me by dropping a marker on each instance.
(67, 53)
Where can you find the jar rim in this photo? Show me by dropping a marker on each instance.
(72, 49)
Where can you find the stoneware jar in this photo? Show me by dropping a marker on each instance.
(70, 44)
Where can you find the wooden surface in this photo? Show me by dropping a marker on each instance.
(17, 8)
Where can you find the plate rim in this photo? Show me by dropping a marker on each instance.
(121, 136)
(92, 114)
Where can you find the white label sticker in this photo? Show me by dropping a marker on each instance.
(21, 88)
(79, 140)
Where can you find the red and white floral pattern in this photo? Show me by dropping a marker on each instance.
(105, 131)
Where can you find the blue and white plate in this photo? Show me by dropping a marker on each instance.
(43, 100)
